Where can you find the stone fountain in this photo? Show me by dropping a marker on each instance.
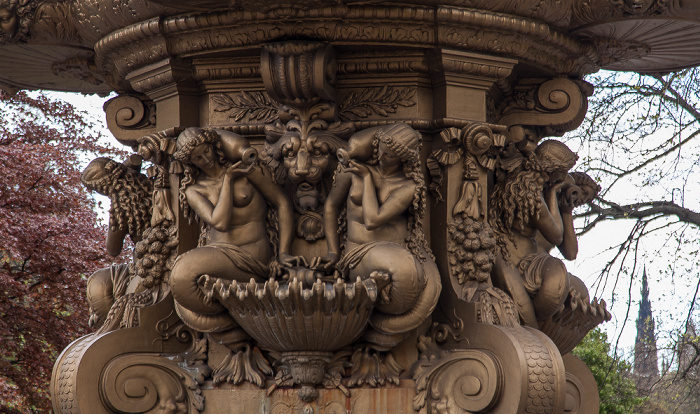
(380, 254)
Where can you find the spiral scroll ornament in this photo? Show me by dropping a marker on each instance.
(468, 381)
(130, 117)
(557, 104)
(138, 383)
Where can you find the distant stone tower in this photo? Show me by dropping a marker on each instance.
(646, 368)
(688, 354)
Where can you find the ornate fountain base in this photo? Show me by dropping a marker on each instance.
(487, 369)
(250, 399)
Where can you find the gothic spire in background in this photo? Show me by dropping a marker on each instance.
(646, 366)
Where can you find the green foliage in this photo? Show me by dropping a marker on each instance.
(618, 393)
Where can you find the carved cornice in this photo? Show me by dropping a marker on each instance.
(128, 49)
(512, 36)
(213, 70)
(560, 36)
(95, 19)
(169, 72)
(156, 39)
(385, 62)
(558, 13)
(423, 125)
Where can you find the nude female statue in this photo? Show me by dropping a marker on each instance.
(231, 198)
(385, 202)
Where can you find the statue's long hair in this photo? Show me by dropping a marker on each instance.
(188, 140)
(518, 195)
(129, 191)
(408, 150)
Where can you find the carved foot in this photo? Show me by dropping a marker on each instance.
(373, 367)
(244, 364)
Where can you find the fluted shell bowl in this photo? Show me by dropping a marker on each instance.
(287, 316)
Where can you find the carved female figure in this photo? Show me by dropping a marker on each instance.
(130, 193)
(524, 207)
(578, 189)
(231, 199)
(385, 201)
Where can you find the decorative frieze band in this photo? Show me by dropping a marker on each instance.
(153, 40)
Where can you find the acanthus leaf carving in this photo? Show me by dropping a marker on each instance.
(54, 23)
(78, 68)
(376, 101)
(620, 51)
(309, 369)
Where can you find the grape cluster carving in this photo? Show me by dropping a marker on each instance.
(471, 248)
(154, 254)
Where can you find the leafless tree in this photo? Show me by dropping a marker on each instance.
(641, 142)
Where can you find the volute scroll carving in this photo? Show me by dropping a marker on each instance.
(552, 106)
(129, 117)
(451, 381)
(138, 383)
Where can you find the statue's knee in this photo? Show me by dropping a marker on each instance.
(184, 280)
(405, 279)
(553, 290)
(217, 322)
(99, 291)
(580, 287)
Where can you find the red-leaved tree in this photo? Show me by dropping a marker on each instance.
(50, 242)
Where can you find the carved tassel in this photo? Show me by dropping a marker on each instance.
(468, 202)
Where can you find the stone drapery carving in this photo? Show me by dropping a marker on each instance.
(383, 192)
(227, 191)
